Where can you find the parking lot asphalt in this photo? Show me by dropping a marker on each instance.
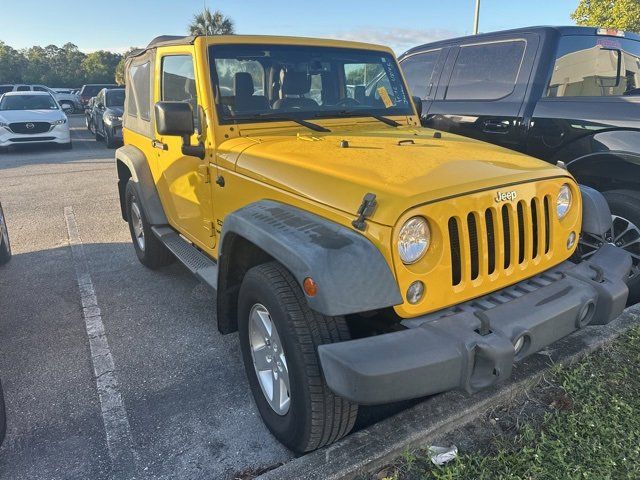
(188, 408)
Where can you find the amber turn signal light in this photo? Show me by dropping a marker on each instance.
(310, 286)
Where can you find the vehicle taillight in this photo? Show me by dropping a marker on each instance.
(611, 32)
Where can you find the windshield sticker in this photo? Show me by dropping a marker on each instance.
(384, 96)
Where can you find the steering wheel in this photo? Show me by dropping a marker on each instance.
(347, 102)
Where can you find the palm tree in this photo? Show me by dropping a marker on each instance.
(211, 23)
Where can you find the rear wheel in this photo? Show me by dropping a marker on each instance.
(625, 233)
(279, 339)
(5, 245)
(151, 252)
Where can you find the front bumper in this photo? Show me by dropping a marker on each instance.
(471, 346)
(57, 134)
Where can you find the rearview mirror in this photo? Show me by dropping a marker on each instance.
(418, 103)
(174, 119)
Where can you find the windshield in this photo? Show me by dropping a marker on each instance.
(271, 82)
(28, 102)
(596, 66)
(115, 98)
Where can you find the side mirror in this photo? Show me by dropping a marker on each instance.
(176, 119)
(418, 103)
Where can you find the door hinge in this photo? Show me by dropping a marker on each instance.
(209, 227)
(203, 170)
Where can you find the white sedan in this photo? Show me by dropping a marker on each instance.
(32, 117)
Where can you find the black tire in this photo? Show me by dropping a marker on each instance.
(5, 244)
(626, 204)
(89, 124)
(316, 416)
(98, 135)
(108, 137)
(152, 253)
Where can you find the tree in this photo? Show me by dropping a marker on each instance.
(12, 64)
(99, 67)
(620, 14)
(211, 23)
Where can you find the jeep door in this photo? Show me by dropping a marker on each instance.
(482, 89)
(184, 183)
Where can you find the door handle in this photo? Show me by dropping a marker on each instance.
(495, 126)
(159, 144)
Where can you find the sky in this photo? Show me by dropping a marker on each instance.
(117, 25)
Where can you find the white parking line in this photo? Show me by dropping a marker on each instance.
(114, 415)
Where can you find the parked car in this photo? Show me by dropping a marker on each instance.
(562, 94)
(32, 117)
(5, 89)
(69, 103)
(5, 256)
(88, 115)
(106, 117)
(363, 259)
(91, 90)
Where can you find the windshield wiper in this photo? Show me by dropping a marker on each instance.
(312, 126)
(356, 113)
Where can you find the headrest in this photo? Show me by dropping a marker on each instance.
(295, 83)
(243, 84)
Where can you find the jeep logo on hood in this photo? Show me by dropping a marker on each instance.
(505, 196)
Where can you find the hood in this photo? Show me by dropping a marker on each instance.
(10, 116)
(404, 167)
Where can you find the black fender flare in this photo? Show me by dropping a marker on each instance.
(596, 216)
(137, 169)
(351, 273)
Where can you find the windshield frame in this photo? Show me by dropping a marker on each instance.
(217, 51)
(3, 98)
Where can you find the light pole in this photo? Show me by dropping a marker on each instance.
(476, 18)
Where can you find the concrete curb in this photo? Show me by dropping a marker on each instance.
(375, 446)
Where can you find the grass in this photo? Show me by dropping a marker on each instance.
(583, 422)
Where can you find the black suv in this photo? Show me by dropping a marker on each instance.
(563, 94)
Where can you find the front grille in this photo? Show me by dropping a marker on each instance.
(30, 127)
(496, 239)
(31, 139)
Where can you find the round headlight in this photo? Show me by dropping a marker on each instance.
(414, 240)
(563, 203)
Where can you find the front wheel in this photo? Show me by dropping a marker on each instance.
(151, 252)
(279, 339)
(625, 233)
(109, 140)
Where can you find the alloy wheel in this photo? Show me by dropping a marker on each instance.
(269, 360)
(624, 234)
(136, 223)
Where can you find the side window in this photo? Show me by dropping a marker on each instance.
(140, 83)
(179, 81)
(590, 66)
(487, 71)
(418, 70)
(23, 88)
(132, 108)
(40, 89)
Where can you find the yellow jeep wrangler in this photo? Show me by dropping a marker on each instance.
(362, 259)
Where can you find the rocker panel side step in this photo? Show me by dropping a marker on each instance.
(197, 262)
